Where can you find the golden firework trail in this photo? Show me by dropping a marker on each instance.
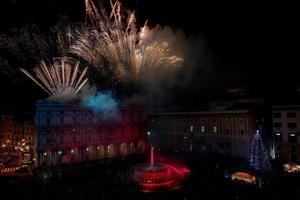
(62, 77)
(113, 43)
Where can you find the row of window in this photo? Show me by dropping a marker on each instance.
(62, 112)
(293, 148)
(288, 115)
(214, 130)
(292, 137)
(62, 120)
(278, 125)
(17, 127)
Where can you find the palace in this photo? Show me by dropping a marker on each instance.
(71, 132)
(228, 132)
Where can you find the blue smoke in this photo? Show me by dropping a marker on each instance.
(102, 102)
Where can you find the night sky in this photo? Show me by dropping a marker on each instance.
(249, 45)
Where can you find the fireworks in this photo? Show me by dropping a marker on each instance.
(115, 47)
(110, 43)
(63, 77)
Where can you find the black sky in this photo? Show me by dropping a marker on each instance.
(252, 44)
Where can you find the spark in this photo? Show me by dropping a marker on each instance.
(62, 77)
(143, 31)
(114, 45)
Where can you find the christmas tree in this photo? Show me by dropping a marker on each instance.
(260, 159)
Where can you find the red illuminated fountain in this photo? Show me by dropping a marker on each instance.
(158, 176)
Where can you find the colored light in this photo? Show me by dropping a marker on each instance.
(154, 176)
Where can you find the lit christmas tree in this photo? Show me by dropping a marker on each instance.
(260, 159)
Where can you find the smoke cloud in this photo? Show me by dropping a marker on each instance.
(173, 87)
(102, 101)
(98, 101)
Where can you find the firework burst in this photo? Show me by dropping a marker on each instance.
(115, 47)
(62, 78)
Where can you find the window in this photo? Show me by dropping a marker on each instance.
(48, 121)
(278, 137)
(227, 132)
(276, 115)
(242, 124)
(277, 125)
(185, 128)
(131, 117)
(192, 128)
(89, 117)
(291, 115)
(221, 145)
(48, 141)
(292, 137)
(215, 129)
(61, 120)
(202, 129)
(74, 139)
(279, 148)
(61, 140)
(292, 125)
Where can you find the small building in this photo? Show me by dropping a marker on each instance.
(243, 176)
(291, 167)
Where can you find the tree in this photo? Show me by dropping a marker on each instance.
(260, 159)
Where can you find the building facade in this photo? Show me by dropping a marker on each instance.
(286, 127)
(227, 132)
(15, 133)
(71, 132)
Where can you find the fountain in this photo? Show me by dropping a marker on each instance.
(158, 176)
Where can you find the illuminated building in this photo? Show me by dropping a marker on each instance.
(228, 132)
(6, 130)
(13, 132)
(286, 127)
(243, 176)
(71, 132)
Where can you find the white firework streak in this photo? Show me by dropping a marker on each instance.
(114, 45)
(63, 76)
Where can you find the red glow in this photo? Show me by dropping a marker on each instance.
(159, 176)
(152, 156)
